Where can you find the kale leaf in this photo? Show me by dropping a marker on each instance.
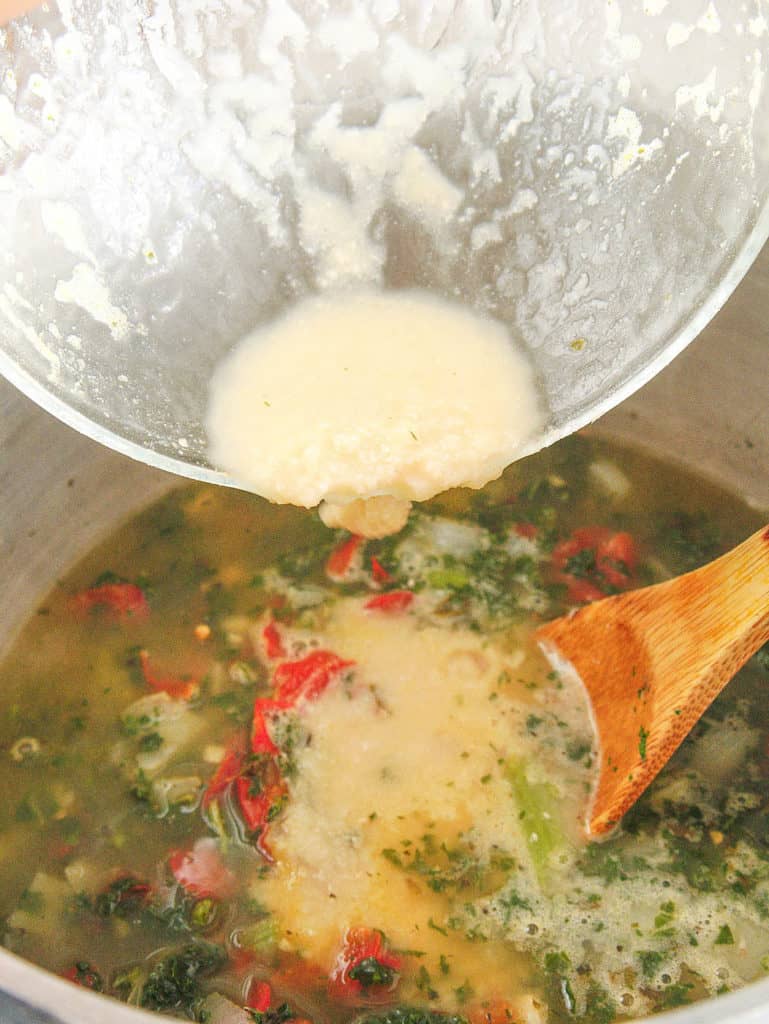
(173, 983)
(370, 971)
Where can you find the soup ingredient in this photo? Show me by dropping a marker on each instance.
(422, 753)
(338, 783)
(367, 517)
(391, 396)
(654, 660)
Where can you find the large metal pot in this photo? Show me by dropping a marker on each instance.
(62, 492)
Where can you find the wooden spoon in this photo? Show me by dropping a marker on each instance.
(653, 660)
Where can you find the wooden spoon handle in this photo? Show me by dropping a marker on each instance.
(723, 609)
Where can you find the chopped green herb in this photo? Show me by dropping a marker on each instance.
(643, 736)
(424, 983)
(32, 903)
(151, 741)
(724, 937)
(464, 993)
(651, 960)
(122, 898)
(174, 982)
(676, 995)
(370, 971)
(279, 1015)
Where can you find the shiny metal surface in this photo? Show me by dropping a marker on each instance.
(61, 493)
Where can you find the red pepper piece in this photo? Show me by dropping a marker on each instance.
(617, 558)
(364, 946)
(246, 774)
(527, 530)
(340, 560)
(83, 974)
(125, 893)
(229, 768)
(261, 741)
(182, 689)
(120, 600)
(61, 851)
(259, 996)
(306, 678)
(201, 871)
(253, 808)
(262, 846)
(273, 641)
(609, 567)
(378, 571)
(257, 808)
(582, 592)
(392, 601)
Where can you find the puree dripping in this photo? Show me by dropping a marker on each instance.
(367, 401)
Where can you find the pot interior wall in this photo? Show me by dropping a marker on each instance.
(708, 409)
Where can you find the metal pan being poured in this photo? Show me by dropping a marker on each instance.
(589, 179)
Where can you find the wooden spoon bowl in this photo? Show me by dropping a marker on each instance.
(653, 660)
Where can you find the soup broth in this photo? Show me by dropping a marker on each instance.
(254, 769)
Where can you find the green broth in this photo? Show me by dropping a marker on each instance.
(112, 795)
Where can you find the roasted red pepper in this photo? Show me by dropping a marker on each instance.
(261, 999)
(378, 571)
(201, 871)
(364, 966)
(273, 641)
(260, 795)
(392, 601)
(255, 781)
(595, 561)
(306, 678)
(259, 996)
(228, 770)
(254, 778)
(83, 974)
(182, 689)
(261, 741)
(120, 600)
(124, 896)
(341, 559)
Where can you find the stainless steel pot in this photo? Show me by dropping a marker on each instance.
(62, 492)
